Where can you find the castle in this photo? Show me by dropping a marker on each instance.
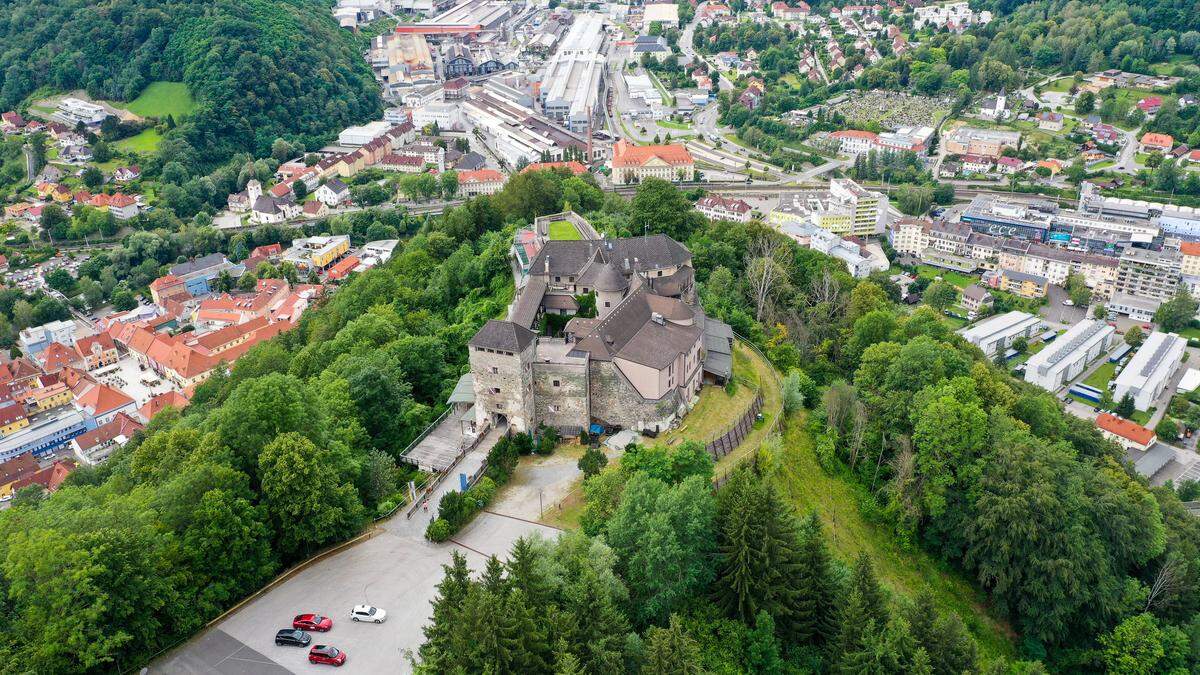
(638, 364)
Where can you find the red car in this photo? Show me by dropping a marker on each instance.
(331, 656)
(312, 622)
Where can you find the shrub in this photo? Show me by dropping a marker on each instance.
(384, 508)
(438, 531)
(547, 441)
(479, 496)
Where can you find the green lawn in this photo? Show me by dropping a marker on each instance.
(1101, 376)
(561, 230)
(1190, 332)
(162, 98)
(957, 278)
(668, 124)
(907, 572)
(1062, 85)
(667, 99)
(143, 143)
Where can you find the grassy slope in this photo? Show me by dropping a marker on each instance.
(162, 98)
(146, 142)
(808, 487)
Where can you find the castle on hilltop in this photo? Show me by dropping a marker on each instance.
(639, 363)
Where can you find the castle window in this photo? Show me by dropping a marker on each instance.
(554, 408)
(660, 273)
(495, 370)
(607, 303)
(556, 383)
(495, 390)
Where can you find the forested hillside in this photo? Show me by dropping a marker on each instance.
(260, 69)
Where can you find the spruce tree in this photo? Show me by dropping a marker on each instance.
(814, 617)
(493, 577)
(527, 572)
(485, 638)
(864, 580)
(671, 651)
(533, 653)
(451, 592)
(597, 627)
(762, 647)
(566, 663)
(951, 648)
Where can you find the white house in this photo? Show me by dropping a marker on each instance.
(333, 192)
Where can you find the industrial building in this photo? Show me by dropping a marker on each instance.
(574, 75)
(1170, 218)
(1148, 372)
(401, 61)
(516, 132)
(1066, 358)
(997, 333)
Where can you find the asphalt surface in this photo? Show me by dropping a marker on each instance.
(396, 570)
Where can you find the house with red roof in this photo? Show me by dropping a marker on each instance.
(49, 478)
(101, 402)
(1150, 105)
(93, 447)
(96, 351)
(716, 207)
(1130, 435)
(55, 357)
(170, 399)
(480, 182)
(573, 166)
(1154, 142)
(343, 268)
(854, 141)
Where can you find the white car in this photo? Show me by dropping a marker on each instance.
(1068, 303)
(367, 613)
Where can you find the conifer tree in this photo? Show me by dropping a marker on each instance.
(566, 663)
(451, 593)
(814, 618)
(597, 627)
(493, 577)
(671, 651)
(762, 647)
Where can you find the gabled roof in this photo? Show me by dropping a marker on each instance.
(121, 425)
(626, 154)
(1124, 428)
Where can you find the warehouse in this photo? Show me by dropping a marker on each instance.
(1065, 359)
(571, 82)
(1150, 369)
(999, 332)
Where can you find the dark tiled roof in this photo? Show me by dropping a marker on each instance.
(503, 335)
(210, 260)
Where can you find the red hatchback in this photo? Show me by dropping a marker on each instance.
(331, 656)
(312, 622)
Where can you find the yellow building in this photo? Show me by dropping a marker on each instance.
(45, 398)
(317, 252)
(12, 418)
(1024, 285)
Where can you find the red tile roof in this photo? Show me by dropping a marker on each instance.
(480, 176)
(120, 425)
(18, 467)
(625, 154)
(156, 405)
(50, 477)
(575, 167)
(1124, 428)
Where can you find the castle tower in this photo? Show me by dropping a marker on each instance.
(501, 357)
(611, 286)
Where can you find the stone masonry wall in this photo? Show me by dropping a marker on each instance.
(570, 396)
(513, 378)
(615, 402)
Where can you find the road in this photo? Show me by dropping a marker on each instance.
(686, 47)
(397, 570)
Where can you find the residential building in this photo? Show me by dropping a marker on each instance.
(332, 193)
(859, 263)
(1154, 275)
(1050, 121)
(634, 163)
(1000, 331)
(1130, 435)
(45, 434)
(1061, 361)
(716, 207)
(1171, 218)
(1154, 142)
(34, 339)
(1147, 374)
(1023, 284)
(987, 142)
(976, 298)
(95, 446)
(96, 351)
(845, 209)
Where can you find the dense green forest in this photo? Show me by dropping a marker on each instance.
(259, 70)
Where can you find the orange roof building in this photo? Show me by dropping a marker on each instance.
(1160, 142)
(170, 399)
(634, 163)
(93, 447)
(1128, 434)
(573, 166)
(480, 182)
(343, 268)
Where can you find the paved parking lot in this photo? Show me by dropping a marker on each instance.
(396, 570)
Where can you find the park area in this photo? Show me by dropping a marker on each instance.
(143, 143)
(563, 230)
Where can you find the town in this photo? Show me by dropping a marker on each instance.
(559, 337)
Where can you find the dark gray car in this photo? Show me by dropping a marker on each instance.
(292, 638)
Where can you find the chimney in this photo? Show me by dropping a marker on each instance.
(657, 318)
(547, 265)
(627, 263)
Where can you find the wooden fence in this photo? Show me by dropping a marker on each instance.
(726, 443)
